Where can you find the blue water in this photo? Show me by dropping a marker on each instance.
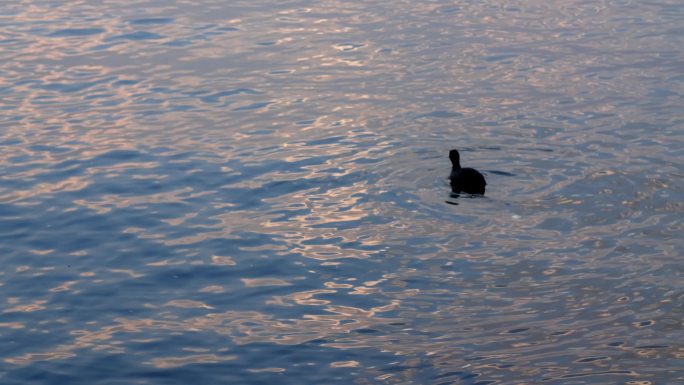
(255, 192)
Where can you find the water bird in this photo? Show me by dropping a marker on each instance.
(467, 180)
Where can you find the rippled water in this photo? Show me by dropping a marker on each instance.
(255, 192)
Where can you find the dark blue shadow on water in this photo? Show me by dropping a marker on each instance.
(76, 32)
(152, 20)
(503, 173)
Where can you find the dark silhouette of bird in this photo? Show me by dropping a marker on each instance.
(467, 180)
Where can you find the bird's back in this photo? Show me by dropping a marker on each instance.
(467, 180)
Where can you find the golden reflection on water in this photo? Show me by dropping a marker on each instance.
(67, 185)
(241, 327)
(301, 298)
(267, 370)
(256, 282)
(187, 304)
(173, 362)
(31, 358)
(26, 308)
(214, 289)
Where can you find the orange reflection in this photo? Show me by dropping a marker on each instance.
(174, 362)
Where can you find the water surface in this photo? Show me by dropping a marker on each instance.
(256, 193)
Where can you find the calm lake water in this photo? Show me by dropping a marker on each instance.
(255, 192)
